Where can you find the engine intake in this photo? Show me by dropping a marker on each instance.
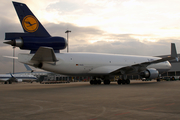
(33, 43)
(150, 73)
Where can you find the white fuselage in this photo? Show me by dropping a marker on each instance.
(98, 64)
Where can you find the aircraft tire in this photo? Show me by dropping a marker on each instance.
(99, 82)
(158, 80)
(123, 82)
(119, 82)
(91, 82)
(127, 81)
(95, 82)
(106, 82)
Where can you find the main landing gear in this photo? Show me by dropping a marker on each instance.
(95, 82)
(8, 82)
(98, 82)
(158, 79)
(123, 81)
(107, 82)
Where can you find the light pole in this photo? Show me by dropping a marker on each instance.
(67, 40)
(13, 58)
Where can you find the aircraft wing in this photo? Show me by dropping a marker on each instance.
(139, 67)
(142, 66)
(11, 57)
(4, 79)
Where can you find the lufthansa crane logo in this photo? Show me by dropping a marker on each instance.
(30, 23)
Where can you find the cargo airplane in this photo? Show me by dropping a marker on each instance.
(44, 54)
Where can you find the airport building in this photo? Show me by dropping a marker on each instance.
(175, 69)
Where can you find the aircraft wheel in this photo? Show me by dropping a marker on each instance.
(95, 82)
(123, 81)
(5, 82)
(99, 82)
(91, 82)
(119, 82)
(127, 81)
(106, 82)
(158, 80)
(10, 82)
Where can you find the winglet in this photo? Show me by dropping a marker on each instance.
(174, 52)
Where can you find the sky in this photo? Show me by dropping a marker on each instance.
(133, 27)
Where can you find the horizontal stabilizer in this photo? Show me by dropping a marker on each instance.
(11, 57)
(44, 54)
(13, 36)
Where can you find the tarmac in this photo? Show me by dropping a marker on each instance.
(149, 100)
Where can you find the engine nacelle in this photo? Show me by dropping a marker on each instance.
(33, 43)
(19, 80)
(150, 73)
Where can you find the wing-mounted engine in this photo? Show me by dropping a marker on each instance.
(19, 80)
(150, 73)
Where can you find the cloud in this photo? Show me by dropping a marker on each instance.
(130, 47)
(80, 41)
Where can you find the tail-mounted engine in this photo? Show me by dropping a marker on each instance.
(35, 35)
(33, 43)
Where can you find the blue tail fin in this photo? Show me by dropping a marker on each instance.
(35, 35)
(29, 22)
